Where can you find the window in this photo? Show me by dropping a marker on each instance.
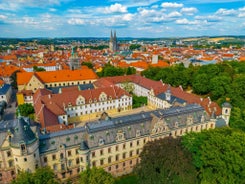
(138, 142)
(45, 159)
(117, 157)
(124, 155)
(94, 164)
(101, 162)
(62, 166)
(77, 161)
(25, 159)
(101, 152)
(93, 154)
(131, 144)
(116, 148)
(77, 151)
(124, 164)
(137, 151)
(116, 166)
(131, 162)
(55, 167)
(61, 156)
(109, 150)
(12, 173)
(9, 154)
(124, 146)
(109, 159)
(53, 157)
(69, 153)
(131, 153)
(10, 163)
(109, 168)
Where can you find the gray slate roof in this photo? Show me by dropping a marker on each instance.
(22, 133)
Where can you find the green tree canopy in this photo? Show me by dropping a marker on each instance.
(165, 161)
(218, 155)
(88, 64)
(25, 109)
(38, 69)
(96, 176)
(41, 176)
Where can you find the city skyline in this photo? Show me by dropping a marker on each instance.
(146, 18)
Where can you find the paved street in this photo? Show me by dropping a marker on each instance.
(10, 110)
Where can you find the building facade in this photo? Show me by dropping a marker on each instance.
(72, 105)
(111, 143)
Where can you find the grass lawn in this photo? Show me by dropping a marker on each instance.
(127, 179)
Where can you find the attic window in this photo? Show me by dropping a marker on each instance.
(91, 137)
(75, 137)
(52, 142)
(68, 139)
(137, 133)
(101, 142)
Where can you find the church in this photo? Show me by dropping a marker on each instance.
(113, 42)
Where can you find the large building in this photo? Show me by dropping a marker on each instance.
(111, 143)
(29, 82)
(113, 46)
(75, 106)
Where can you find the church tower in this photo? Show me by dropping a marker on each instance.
(113, 42)
(226, 112)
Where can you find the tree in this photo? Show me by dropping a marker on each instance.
(96, 176)
(130, 71)
(38, 69)
(24, 178)
(41, 175)
(165, 161)
(134, 46)
(201, 84)
(139, 101)
(25, 109)
(88, 64)
(218, 155)
(44, 175)
(127, 86)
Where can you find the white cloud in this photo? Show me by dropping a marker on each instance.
(76, 21)
(3, 17)
(242, 9)
(116, 8)
(225, 12)
(154, 6)
(74, 11)
(209, 18)
(189, 11)
(174, 14)
(147, 13)
(241, 14)
(187, 22)
(52, 9)
(127, 17)
(171, 5)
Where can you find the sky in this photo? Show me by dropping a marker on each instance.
(130, 18)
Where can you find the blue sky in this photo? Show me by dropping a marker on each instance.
(130, 18)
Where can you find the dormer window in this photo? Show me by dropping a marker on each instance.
(176, 124)
(120, 136)
(23, 147)
(80, 100)
(138, 133)
(101, 141)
